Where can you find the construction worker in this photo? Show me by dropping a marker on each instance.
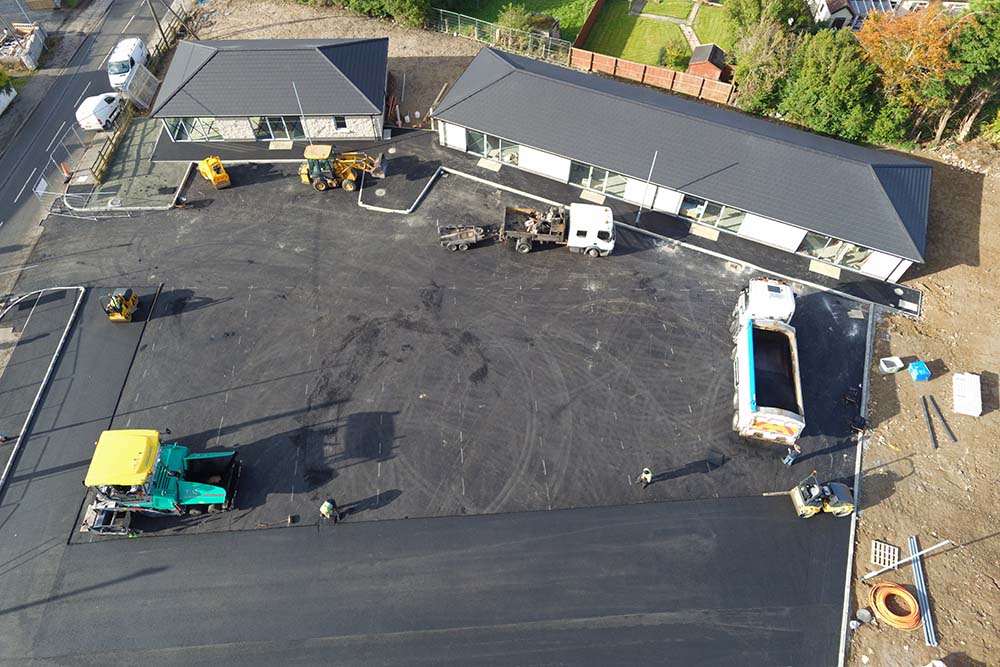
(646, 477)
(328, 510)
(793, 453)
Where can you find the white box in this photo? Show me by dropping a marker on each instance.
(967, 393)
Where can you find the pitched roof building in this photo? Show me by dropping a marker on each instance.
(842, 204)
(246, 90)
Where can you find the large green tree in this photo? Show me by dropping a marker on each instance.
(789, 14)
(763, 55)
(975, 81)
(831, 88)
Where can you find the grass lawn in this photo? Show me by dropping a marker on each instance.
(678, 9)
(617, 33)
(571, 13)
(712, 25)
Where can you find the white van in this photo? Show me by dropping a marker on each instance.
(100, 111)
(128, 54)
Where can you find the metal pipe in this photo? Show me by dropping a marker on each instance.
(906, 560)
(45, 380)
(927, 420)
(925, 604)
(947, 429)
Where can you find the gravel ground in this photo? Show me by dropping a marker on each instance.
(427, 60)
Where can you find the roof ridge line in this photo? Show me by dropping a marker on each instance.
(697, 118)
(513, 68)
(348, 79)
(179, 88)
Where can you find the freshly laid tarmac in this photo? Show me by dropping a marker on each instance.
(343, 352)
(738, 582)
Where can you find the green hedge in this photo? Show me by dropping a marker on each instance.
(4, 80)
(410, 12)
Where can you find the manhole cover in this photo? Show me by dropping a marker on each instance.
(392, 150)
(898, 291)
(380, 192)
(115, 203)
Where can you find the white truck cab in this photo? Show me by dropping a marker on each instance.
(126, 56)
(766, 299)
(100, 111)
(591, 229)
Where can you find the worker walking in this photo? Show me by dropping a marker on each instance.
(329, 510)
(646, 477)
(793, 453)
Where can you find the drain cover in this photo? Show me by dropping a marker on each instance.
(392, 150)
(380, 192)
(884, 555)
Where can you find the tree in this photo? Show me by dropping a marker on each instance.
(516, 17)
(746, 14)
(831, 88)
(912, 52)
(973, 83)
(763, 58)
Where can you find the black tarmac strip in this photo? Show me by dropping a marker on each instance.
(343, 353)
(685, 583)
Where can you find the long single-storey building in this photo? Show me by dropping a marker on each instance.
(275, 90)
(725, 171)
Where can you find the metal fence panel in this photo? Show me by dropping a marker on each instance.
(533, 44)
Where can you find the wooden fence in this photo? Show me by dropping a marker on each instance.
(661, 77)
(588, 25)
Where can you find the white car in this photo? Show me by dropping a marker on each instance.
(100, 111)
(128, 54)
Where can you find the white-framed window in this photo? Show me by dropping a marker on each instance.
(340, 123)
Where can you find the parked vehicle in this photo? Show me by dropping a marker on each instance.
(100, 111)
(588, 228)
(133, 472)
(768, 393)
(127, 55)
(462, 237)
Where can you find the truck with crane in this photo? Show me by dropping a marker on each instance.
(585, 228)
(767, 400)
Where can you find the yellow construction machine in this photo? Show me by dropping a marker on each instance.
(809, 497)
(324, 170)
(213, 171)
(121, 304)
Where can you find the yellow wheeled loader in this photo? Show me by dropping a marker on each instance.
(121, 304)
(809, 497)
(212, 170)
(324, 170)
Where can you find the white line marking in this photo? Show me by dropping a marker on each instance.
(227, 397)
(21, 191)
(127, 24)
(136, 400)
(101, 66)
(85, 88)
(245, 313)
(218, 433)
(128, 422)
(307, 388)
(55, 136)
(463, 486)
(379, 473)
(544, 471)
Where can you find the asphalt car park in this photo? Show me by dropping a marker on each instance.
(343, 353)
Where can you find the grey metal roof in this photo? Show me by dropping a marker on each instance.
(877, 199)
(254, 78)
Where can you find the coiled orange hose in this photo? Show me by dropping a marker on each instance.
(879, 596)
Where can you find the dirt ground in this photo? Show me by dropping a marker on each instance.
(427, 60)
(951, 492)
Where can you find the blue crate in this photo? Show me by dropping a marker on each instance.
(919, 372)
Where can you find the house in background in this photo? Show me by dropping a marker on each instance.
(722, 171)
(709, 61)
(274, 90)
(852, 13)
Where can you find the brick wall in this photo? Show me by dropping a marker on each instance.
(661, 77)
